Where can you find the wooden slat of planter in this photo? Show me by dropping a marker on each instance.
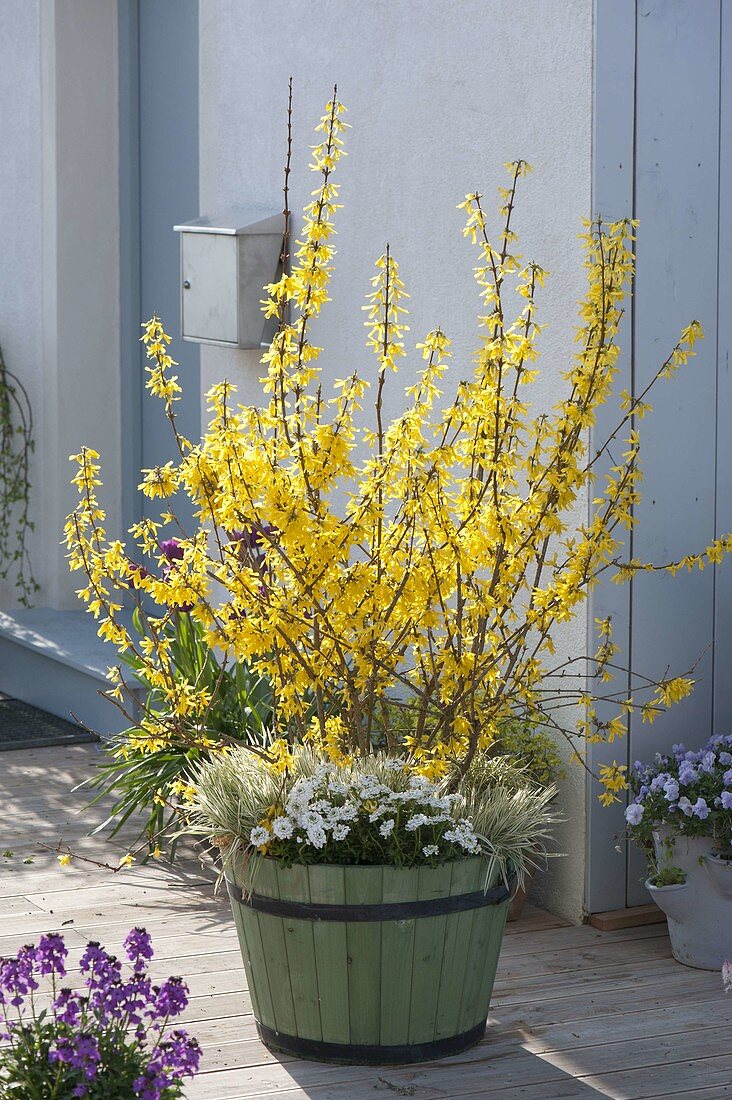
(429, 940)
(274, 951)
(499, 916)
(255, 962)
(249, 950)
(465, 879)
(327, 884)
(364, 886)
(294, 885)
(397, 950)
(482, 938)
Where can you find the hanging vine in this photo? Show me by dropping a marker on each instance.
(16, 448)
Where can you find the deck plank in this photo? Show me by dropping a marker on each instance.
(576, 1012)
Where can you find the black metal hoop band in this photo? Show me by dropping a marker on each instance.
(361, 1055)
(383, 911)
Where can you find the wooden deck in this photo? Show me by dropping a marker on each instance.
(576, 1012)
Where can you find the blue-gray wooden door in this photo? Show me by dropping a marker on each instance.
(159, 189)
(662, 152)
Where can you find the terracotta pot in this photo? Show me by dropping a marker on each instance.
(518, 901)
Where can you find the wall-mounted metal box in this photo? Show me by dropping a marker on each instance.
(224, 263)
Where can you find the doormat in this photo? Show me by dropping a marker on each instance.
(25, 727)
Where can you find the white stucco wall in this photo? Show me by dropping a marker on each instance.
(21, 213)
(81, 266)
(440, 95)
(59, 260)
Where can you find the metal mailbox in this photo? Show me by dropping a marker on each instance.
(224, 263)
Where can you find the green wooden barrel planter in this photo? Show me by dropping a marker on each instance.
(369, 965)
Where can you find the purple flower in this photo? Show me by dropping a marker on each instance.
(172, 550)
(113, 1038)
(67, 1007)
(137, 573)
(102, 969)
(17, 979)
(701, 809)
(121, 1000)
(50, 954)
(671, 790)
(708, 763)
(183, 1052)
(138, 947)
(727, 800)
(686, 807)
(255, 537)
(727, 778)
(687, 773)
(634, 813)
(79, 1052)
(171, 998)
(177, 1056)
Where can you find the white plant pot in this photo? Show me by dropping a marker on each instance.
(699, 911)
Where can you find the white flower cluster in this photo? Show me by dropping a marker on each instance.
(323, 807)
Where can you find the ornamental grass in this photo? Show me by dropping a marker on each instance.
(371, 811)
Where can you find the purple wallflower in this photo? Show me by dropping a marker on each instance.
(171, 998)
(172, 550)
(137, 573)
(50, 954)
(138, 947)
(79, 1052)
(101, 1041)
(67, 1007)
(102, 971)
(17, 979)
(255, 537)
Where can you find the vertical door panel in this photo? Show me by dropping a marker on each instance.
(677, 149)
(681, 51)
(723, 602)
(612, 199)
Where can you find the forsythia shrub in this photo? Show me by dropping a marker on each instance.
(423, 562)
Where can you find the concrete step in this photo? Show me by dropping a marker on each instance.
(56, 661)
